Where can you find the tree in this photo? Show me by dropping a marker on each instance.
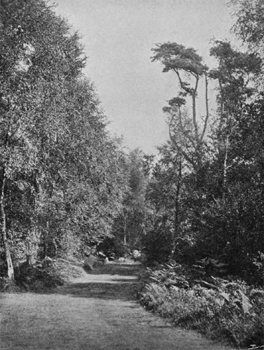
(61, 178)
(235, 74)
(130, 226)
(221, 176)
(188, 133)
(164, 190)
(134, 205)
(249, 28)
(180, 60)
(250, 21)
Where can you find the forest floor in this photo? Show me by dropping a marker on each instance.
(96, 311)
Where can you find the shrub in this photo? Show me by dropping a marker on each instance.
(158, 245)
(39, 277)
(221, 309)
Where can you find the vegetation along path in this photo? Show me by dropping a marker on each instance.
(95, 311)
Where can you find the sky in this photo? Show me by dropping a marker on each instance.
(118, 36)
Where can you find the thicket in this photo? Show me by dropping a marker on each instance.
(229, 310)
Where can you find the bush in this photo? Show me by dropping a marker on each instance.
(221, 309)
(41, 276)
(113, 245)
(158, 245)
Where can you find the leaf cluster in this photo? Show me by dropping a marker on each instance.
(176, 57)
(61, 173)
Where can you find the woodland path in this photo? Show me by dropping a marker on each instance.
(97, 311)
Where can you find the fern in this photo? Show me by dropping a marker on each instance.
(219, 308)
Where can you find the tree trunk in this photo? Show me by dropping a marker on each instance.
(125, 231)
(46, 240)
(10, 267)
(225, 162)
(177, 207)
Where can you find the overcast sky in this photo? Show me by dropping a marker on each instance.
(118, 36)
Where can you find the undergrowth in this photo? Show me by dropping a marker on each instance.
(219, 308)
(41, 276)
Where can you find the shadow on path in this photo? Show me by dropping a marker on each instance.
(111, 281)
(94, 312)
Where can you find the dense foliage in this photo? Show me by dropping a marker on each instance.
(133, 220)
(61, 174)
(207, 186)
(221, 309)
(206, 190)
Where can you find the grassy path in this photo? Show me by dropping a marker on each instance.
(97, 311)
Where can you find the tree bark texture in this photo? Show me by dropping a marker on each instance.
(10, 267)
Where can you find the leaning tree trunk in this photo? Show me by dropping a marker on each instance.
(10, 267)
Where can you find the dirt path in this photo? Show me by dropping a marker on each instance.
(95, 312)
